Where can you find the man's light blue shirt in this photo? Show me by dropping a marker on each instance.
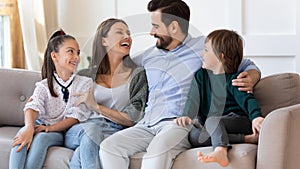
(169, 75)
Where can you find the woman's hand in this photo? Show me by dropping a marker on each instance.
(88, 99)
(24, 138)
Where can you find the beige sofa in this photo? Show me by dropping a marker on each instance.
(278, 146)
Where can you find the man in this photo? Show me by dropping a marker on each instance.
(170, 68)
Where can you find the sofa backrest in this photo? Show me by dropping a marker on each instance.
(16, 87)
(276, 91)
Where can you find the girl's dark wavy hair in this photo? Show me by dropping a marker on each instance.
(48, 68)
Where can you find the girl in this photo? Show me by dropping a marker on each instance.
(119, 96)
(51, 109)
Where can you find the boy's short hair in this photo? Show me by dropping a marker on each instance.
(230, 44)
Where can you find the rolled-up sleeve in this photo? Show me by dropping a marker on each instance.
(138, 96)
(37, 100)
(246, 65)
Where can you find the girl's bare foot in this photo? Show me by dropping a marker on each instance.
(219, 155)
(253, 138)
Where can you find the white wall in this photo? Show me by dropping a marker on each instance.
(269, 27)
(81, 18)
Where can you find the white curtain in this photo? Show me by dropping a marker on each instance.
(32, 19)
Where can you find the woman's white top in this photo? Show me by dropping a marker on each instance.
(114, 98)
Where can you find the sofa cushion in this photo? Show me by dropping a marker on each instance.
(58, 158)
(240, 156)
(7, 134)
(276, 91)
(16, 87)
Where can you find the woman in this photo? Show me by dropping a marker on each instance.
(119, 96)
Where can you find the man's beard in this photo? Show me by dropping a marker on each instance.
(165, 41)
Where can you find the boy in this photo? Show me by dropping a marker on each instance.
(225, 112)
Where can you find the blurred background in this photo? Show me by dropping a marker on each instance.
(270, 27)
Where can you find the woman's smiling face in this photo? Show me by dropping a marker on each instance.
(118, 39)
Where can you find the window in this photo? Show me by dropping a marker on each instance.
(1, 42)
(5, 42)
(11, 42)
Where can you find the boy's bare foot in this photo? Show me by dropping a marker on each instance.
(219, 155)
(253, 138)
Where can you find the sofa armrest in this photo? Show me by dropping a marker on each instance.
(278, 145)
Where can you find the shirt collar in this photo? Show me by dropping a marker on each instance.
(187, 39)
(61, 81)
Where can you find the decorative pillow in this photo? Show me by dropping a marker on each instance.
(278, 90)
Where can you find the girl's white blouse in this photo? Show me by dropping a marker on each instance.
(54, 109)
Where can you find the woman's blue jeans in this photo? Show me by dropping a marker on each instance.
(85, 138)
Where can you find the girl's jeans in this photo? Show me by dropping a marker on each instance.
(34, 158)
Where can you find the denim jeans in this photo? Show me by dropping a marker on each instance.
(85, 138)
(34, 158)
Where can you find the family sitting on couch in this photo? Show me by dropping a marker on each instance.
(146, 103)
